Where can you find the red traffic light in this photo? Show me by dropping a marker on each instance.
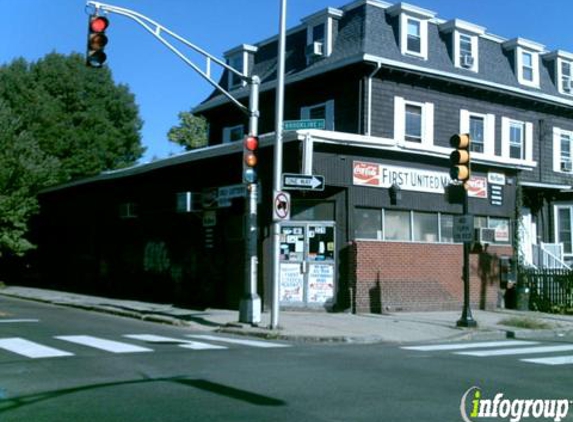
(99, 23)
(251, 143)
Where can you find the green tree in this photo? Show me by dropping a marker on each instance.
(191, 133)
(24, 170)
(77, 114)
(59, 120)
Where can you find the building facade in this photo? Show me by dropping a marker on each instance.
(389, 84)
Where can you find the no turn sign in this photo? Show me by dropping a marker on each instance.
(281, 206)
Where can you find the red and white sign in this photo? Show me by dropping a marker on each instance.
(366, 174)
(281, 206)
(477, 187)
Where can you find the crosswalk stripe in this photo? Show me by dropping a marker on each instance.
(244, 342)
(462, 346)
(187, 344)
(518, 351)
(30, 349)
(103, 344)
(557, 360)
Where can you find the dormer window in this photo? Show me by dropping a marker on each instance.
(465, 43)
(563, 67)
(320, 33)
(413, 27)
(526, 60)
(241, 59)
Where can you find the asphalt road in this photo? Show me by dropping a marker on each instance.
(160, 374)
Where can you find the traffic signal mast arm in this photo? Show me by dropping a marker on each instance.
(157, 31)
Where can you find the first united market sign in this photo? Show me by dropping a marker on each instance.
(412, 179)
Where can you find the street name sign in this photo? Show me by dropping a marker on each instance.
(304, 124)
(303, 182)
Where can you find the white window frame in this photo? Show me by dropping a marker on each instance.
(521, 67)
(329, 113)
(459, 29)
(558, 158)
(458, 50)
(244, 67)
(228, 130)
(520, 46)
(406, 12)
(488, 132)
(527, 146)
(556, 225)
(427, 140)
(327, 18)
(565, 82)
(423, 25)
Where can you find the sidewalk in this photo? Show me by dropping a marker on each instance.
(402, 327)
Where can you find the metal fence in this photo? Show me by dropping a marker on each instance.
(550, 290)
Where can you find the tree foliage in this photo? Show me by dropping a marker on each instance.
(191, 133)
(59, 120)
(24, 170)
(77, 114)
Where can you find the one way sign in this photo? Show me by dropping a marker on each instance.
(303, 182)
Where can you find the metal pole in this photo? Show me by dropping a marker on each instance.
(250, 306)
(467, 319)
(278, 161)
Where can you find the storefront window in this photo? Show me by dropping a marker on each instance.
(501, 226)
(446, 228)
(425, 227)
(397, 225)
(368, 223)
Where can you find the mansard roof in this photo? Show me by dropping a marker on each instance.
(367, 31)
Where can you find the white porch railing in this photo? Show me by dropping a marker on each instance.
(548, 255)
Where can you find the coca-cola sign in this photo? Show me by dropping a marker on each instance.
(366, 174)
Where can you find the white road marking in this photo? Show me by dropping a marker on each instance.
(2, 321)
(187, 344)
(518, 351)
(558, 360)
(30, 349)
(103, 344)
(244, 342)
(462, 346)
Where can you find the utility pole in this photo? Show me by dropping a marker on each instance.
(278, 161)
(250, 306)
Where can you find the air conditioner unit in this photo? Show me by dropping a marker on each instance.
(467, 60)
(485, 236)
(566, 166)
(188, 202)
(315, 49)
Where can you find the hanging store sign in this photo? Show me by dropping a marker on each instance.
(407, 178)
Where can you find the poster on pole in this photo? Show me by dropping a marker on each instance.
(291, 282)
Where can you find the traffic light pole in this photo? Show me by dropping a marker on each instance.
(466, 319)
(250, 306)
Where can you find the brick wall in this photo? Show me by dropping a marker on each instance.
(420, 276)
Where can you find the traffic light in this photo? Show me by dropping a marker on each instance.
(250, 148)
(97, 40)
(460, 158)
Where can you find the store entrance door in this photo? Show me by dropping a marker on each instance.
(307, 264)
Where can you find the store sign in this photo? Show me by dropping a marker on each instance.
(412, 179)
(496, 178)
(477, 187)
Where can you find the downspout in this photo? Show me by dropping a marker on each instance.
(368, 131)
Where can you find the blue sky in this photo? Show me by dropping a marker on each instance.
(163, 85)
